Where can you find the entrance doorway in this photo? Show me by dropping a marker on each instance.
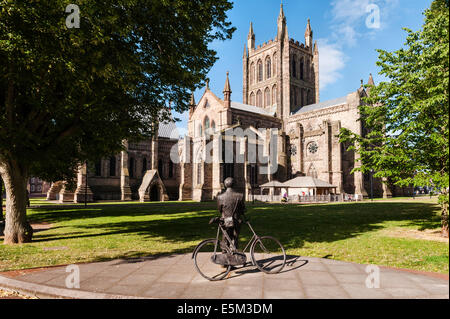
(155, 194)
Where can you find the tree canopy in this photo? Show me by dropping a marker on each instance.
(71, 94)
(406, 117)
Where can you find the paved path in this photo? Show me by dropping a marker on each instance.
(175, 277)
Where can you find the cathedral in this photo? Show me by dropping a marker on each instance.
(280, 94)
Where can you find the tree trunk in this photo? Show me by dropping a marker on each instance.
(17, 229)
(1, 207)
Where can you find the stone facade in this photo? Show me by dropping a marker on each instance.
(120, 176)
(280, 90)
(281, 93)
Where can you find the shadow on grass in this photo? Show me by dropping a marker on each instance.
(293, 225)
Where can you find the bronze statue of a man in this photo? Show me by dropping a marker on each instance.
(231, 206)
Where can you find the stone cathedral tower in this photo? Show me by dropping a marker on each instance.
(281, 75)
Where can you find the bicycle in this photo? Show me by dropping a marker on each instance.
(214, 261)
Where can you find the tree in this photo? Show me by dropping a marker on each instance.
(1, 199)
(406, 118)
(72, 92)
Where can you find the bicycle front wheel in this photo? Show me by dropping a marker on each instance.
(268, 255)
(205, 256)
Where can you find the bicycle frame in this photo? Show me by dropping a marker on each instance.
(233, 247)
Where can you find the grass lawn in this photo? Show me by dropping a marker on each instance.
(376, 232)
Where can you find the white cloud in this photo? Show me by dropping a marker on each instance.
(331, 61)
(348, 25)
(349, 17)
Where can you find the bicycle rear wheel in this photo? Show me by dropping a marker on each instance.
(204, 256)
(268, 255)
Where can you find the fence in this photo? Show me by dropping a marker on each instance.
(306, 199)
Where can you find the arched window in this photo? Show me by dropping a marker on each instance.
(267, 98)
(312, 171)
(131, 166)
(260, 71)
(253, 169)
(275, 64)
(302, 65)
(294, 66)
(98, 168)
(213, 126)
(112, 166)
(252, 73)
(170, 169)
(252, 99)
(302, 96)
(295, 95)
(160, 168)
(259, 98)
(144, 165)
(207, 125)
(199, 173)
(307, 69)
(268, 68)
(200, 130)
(274, 95)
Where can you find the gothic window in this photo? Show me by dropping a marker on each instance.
(98, 168)
(199, 173)
(252, 73)
(275, 63)
(274, 95)
(160, 168)
(312, 148)
(295, 95)
(228, 170)
(170, 169)
(252, 99)
(253, 170)
(112, 166)
(213, 126)
(259, 98)
(312, 172)
(293, 150)
(206, 125)
(302, 94)
(302, 64)
(144, 165)
(260, 71)
(294, 66)
(131, 166)
(267, 97)
(200, 130)
(307, 69)
(268, 68)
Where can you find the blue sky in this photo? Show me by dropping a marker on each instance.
(346, 44)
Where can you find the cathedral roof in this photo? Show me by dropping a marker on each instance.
(321, 105)
(253, 109)
(168, 129)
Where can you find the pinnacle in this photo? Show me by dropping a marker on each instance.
(251, 33)
(371, 81)
(227, 84)
(281, 10)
